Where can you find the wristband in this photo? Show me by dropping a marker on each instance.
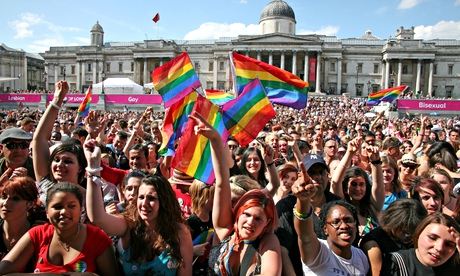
(302, 216)
(54, 105)
(377, 162)
(97, 180)
(93, 171)
(269, 164)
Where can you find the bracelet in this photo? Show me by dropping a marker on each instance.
(302, 216)
(376, 162)
(52, 104)
(97, 180)
(269, 164)
(92, 171)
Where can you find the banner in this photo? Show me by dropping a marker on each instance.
(312, 70)
(428, 105)
(23, 98)
(132, 99)
(75, 99)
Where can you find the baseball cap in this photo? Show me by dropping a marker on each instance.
(313, 159)
(14, 133)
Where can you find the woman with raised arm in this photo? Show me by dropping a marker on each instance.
(153, 237)
(247, 245)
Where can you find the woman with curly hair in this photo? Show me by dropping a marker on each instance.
(153, 237)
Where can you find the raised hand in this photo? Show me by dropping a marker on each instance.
(62, 87)
(203, 127)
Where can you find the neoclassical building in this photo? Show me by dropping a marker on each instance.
(356, 66)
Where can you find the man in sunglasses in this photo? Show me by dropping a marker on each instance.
(16, 160)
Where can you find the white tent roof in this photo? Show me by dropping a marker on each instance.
(118, 86)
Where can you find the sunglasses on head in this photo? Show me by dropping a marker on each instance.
(13, 145)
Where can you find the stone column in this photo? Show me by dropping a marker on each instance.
(419, 69)
(294, 62)
(382, 79)
(83, 75)
(339, 76)
(214, 75)
(94, 72)
(270, 58)
(318, 73)
(430, 80)
(399, 73)
(258, 55)
(282, 60)
(387, 73)
(145, 74)
(305, 67)
(24, 73)
(56, 76)
(77, 71)
(46, 77)
(227, 76)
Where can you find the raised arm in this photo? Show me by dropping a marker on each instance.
(40, 147)
(339, 173)
(378, 188)
(273, 178)
(222, 206)
(113, 225)
(16, 260)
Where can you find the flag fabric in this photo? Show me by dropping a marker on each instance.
(175, 79)
(83, 109)
(218, 97)
(156, 18)
(385, 95)
(174, 123)
(245, 116)
(282, 86)
(193, 155)
(205, 236)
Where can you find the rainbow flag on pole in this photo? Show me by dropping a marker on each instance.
(282, 86)
(193, 155)
(175, 121)
(175, 79)
(245, 116)
(83, 109)
(385, 95)
(218, 97)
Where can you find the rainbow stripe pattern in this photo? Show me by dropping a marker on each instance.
(175, 79)
(385, 95)
(175, 121)
(218, 97)
(205, 236)
(193, 155)
(246, 115)
(83, 109)
(282, 86)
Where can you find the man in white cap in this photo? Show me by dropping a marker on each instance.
(16, 160)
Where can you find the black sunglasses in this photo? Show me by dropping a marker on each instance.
(13, 145)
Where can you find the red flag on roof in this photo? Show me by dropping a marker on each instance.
(156, 18)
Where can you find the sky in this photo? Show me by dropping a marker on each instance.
(35, 25)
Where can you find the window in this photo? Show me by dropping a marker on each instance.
(107, 67)
(132, 66)
(332, 66)
(433, 91)
(72, 69)
(62, 70)
(435, 69)
(376, 68)
(360, 68)
(344, 68)
(344, 88)
(449, 89)
(89, 66)
(211, 66)
(197, 65)
(450, 69)
(221, 66)
(221, 85)
(404, 69)
(209, 85)
(120, 67)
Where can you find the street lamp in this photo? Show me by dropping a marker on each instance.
(64, 72)
(103, 77)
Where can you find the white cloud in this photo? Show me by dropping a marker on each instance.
(246, 1)
(23, 25)
(408, 4)
(326, 30)
(442, 29)
(457, 3)
(212, 30)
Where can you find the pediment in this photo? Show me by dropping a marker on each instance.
(276, 38)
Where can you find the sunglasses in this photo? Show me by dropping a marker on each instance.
(409, 165)
(12, 145)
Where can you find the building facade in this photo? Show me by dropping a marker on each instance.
(356, 66)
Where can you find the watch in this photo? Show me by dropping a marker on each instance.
(376, 162)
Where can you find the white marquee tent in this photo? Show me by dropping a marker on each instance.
(118, 86)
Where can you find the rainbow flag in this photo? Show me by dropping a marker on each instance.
(205, 236)
(83, 109)
(193, 155)
(175, 121)
(282, 86)
(385, 95)
(245, 116)
(175, 79)
(218, 97)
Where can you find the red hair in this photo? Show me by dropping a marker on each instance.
(24, 187)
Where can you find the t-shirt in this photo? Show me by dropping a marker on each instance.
(393, 197)
(95, 244)
(327, 263)
(185, 202)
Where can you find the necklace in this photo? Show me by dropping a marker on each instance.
(67, 245)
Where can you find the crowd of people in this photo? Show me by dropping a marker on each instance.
(327, 190)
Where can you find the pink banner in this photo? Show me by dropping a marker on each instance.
(133, 99)
(23, 98)
(312, 69)
(428, 105)
(76, 99)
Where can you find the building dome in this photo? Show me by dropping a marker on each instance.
(97, 28)
(277, 8)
